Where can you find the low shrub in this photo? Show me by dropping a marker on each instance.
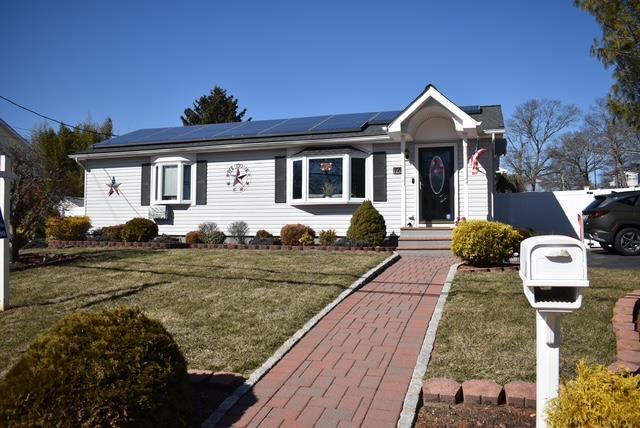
(270, 240)
(113, 233)
(290, 234)
(192, 237)
(139, 230)
(208, 231)
(239, 230)
(328, 237)
(346, 242)
(367, 224)
(68, 228)
(306, 239)
(217, 237)
(485, 243)
(597, 397)
(164, 238)
(263, 234)
(113, 368)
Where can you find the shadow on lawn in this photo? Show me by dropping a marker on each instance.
(110, 295)
(212, 277)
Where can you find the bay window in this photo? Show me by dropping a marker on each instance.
(172, 178)
(331, 176)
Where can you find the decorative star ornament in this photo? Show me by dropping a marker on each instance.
(239, 178)
(113, 187)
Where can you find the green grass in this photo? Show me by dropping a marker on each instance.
(227, 310)
(488, 327)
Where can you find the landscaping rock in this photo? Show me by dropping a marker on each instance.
(520, 394)
(482, 392)
(443, 390)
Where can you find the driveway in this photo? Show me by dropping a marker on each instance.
(601, 259)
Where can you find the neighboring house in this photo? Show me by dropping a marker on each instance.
(415, 165)
(70, 207)
(9, 137)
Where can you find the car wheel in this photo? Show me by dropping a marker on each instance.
(628, 241)
(607, 247)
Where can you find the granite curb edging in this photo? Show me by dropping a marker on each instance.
(230, 401)
(412, 397)
(625, 327)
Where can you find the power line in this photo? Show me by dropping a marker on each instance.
(55, 120)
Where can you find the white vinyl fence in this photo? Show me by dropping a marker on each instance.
(547, 212)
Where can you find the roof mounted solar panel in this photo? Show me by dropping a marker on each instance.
(471, 109)
(210, 132)
(130, 138)
(384, 117)
(167, 134)
(250, 129)
(343, 123)
(294, 126)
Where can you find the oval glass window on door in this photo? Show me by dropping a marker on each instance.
(436, 174)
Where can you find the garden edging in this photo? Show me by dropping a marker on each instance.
(625, 327)
(230, 401)
(172, 245)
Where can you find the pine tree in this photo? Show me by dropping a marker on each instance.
(217, 107)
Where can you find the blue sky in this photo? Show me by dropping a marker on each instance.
(142, 63)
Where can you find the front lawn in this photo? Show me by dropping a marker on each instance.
(228, 310)
(488, 328)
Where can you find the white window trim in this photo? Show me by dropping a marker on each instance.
(346, 155)
(157, 178)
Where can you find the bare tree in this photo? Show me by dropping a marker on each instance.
(617, 139)
(574, 158)
(532, 130)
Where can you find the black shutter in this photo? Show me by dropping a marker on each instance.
(380, 177)
(201, 182)
(281, 180)
(145, 190)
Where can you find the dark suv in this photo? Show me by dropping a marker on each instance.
(614, 222)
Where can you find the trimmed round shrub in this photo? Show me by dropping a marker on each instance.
(306, 239)
(113, 233)
(192, 237)
(597, 398)
(207, 232)
(263, 234)
(217, 237)
(68, 228)
(115, 368)
(139, 230)
(290, 234)
(485, 243)
(367, 224)
(328, 237)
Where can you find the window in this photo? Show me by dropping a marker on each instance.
(325, 178)
(172, 181)
(328, 176)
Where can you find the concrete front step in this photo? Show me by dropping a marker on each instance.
(425, 232)
(424, 242)
(424, 251)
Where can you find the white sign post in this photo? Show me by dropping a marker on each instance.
(554, 274)
(5, 215)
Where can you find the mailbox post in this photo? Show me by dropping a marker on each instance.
(553, 269)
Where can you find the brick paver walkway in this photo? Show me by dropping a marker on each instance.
(354, 367)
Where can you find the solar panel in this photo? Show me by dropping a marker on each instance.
(167, 134)
(208, 132)
(129, 138)
(250, 129)
(384, 117)
(471, 109)
(294, 126)
(343, 122)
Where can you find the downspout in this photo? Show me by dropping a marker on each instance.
(403, 187)
(466, 177)
(84, 169)
(492, 176)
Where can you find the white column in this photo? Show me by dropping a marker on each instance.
(465, 162)
(5, 190)
(547, 362)
(403, 187)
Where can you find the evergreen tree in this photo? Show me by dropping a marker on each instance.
(217, 107)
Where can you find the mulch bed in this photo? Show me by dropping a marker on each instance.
(466, 268)
(208, 391)
(37, 260)
(474, 415)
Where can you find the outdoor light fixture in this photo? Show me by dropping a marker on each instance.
(407, 154)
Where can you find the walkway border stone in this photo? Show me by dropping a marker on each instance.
(411, 399)
(232, 399)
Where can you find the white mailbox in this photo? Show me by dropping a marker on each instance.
(553, 270)
(554, 274)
